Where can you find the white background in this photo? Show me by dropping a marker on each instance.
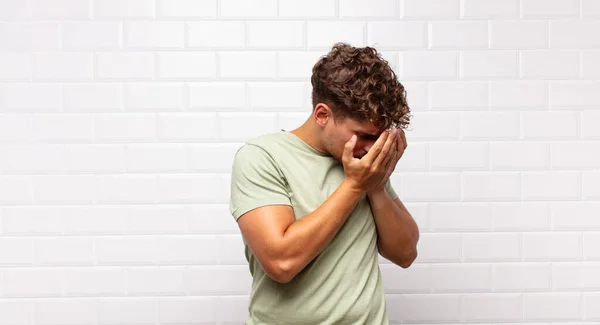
(119, 119)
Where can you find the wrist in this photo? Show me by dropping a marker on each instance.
(353, 188)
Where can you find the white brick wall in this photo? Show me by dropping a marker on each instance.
(119, 120)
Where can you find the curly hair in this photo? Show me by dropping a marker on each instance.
(358, 83)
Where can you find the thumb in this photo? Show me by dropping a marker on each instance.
(349, 149)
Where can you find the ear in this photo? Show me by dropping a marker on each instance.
(322, 114)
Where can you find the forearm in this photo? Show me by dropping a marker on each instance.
(306, 238)
(397, 231)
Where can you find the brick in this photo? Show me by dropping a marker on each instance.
(296, 65)
(76, 189)
(435, 126)
(29, 282)
(589, 120)
(575, 276)
(520, 216)
(494, 307)
(62, 127)
(90, 36)
(575, 215)
(512, 155)
(590, 64)
(279, 96)
(521, 277)
(482, 186)
(155, 281)
(431, 308)
(125, 127)
(93, 158)
(591, 185)
(248, 8)
(307, 9)
(96, 220)
(591, 301)
(463, 95)
(419, 186)
(17, 252)
(186, 9)
(63, 66)
(549, 64)
(488, 64)
(231, 250)
(31, 220)
(217, 95)
(434, 65)
(552, 246)
(490, 9)
(590, 8)
(465, 278)
(415, 159)
(574, 34)
(124, 66)
(489, 125)
(204, 188)
(92, 98)
(548, 306)
(154, 34)
(573, 94)
(129, 250)
(151, 157)
(458, 34)
(159, 220)
(124, 9)
(591, 246)
(439, 247)
(15, 66)
(549, 125)
(431, 9)
(549, 8)
(461, 217)
(208, 280)
(187, 126)
(232, 34)
(187, 310)
(64, 251)
(30, 97)
(275, 34)
(518, 34)
(127, 189)
(15, 11)
(29, 37)
(416, 279)
(211, 218)
(383, 35)
(60, 9)
(186, 65)
(555, 185)
(16, 311)
(15, 128)
(575, 155)
(459, 156)
(519, 95)
(97, 280)
(324, 34)
(36, 158)
(65, 311)
(155, 97)
(247, 65)
(139, 310)
(242, 126)
(491, 247)
(372, 9)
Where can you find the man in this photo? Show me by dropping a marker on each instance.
(315, 205)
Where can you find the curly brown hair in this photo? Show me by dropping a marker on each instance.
(358, 83)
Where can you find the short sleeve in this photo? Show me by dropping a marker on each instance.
(256, 181)
(390, 190)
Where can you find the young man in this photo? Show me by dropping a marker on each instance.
(315, 205)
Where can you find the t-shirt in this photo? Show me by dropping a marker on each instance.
(343, 284)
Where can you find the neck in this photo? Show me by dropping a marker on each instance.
(309, 133)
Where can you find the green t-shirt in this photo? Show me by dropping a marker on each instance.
(343, 284)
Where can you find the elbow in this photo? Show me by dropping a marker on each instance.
(281, 271)
(409, 258)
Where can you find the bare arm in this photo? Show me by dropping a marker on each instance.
(283, 246)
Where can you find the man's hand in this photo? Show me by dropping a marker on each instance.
(397, 140)
(372, 171)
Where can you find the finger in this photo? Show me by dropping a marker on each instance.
(376, 148)
(348, 154)
(386, 153)
(403, 137)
